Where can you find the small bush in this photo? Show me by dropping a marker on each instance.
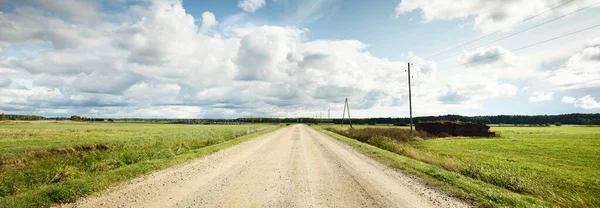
(400, 124)
(68, 192)
(133, 157)
(60, 195)
(558, 124)
(368, 134)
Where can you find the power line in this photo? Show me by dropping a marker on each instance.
(497, 31)
(525, 30)
(531, 45)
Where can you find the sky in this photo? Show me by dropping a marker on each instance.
(298, 58)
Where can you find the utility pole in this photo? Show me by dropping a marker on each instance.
(410, 100)
(346, 106)
(328, 114)
(349, 119)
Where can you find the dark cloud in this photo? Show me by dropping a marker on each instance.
(5, 81)
(98, 82)
(591, 54)
(334, 93)
(66, 62)
(498, 16)
(491, 55)
(49, 81)
(369, 99)
(254, 58)
(314, 60)
(452, 98)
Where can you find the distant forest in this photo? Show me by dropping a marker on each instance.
(574, 118)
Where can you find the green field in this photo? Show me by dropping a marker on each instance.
(42, 163)
(560, 166)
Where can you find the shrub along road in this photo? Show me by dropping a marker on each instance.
(291, 167)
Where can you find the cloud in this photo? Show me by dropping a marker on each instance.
(334, 93)
(66, 24)
(5, 81)
(452, 98)
(208, 21)
(595, 42)
(488, 16)
(422, 68)
(97, 82)
(591, 54)
(586, 102)
(49, 81)
(69, 9)
(580, 70)
(474, 88)
(540, 96)
(485, 56)
(495, 61)
(261, 49)
(308, 11)
(152, 60)
(251, 5)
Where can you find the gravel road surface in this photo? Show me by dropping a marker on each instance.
(295, 166)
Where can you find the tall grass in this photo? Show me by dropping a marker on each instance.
(371, 135)
(41, 164)
(556, 164)
(395, 139)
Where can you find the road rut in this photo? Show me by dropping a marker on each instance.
(296, 166)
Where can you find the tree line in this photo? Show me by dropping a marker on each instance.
(573, 118)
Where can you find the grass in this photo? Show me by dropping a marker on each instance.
(46, 163)
(557, 166)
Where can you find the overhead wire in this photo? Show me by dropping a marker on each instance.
(525, 30)
(500, 30)
(531, 45)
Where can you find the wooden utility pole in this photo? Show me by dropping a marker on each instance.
(328, 114)
(344, 112)
(410, 101)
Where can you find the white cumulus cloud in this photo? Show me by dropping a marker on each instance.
(208, 21)
(251, 5)
(586, 102)
(582, 69)
(152, 60)
(489, 15)
(540, 96)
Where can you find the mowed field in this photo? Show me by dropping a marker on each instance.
(42, 163)
(559, 165)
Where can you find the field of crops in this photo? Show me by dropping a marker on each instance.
(42, 163)
(557, 165)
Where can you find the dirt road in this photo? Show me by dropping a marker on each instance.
(292, 167)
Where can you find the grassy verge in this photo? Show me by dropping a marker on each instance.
(482, 194)
(43, 164)
(557, 165)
